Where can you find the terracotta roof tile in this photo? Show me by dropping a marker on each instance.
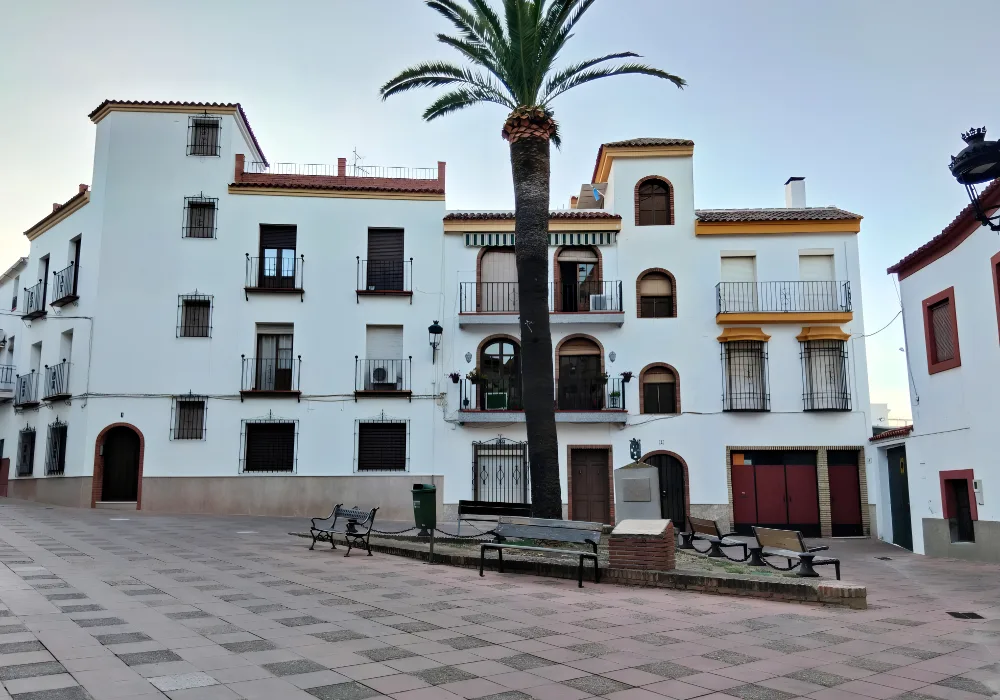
(777, 214)
(633, 143)
(56, 210)
(894, 433)
(194, 105)
(509, 215)
(337, 182)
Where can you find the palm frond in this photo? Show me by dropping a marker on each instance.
(490, 18)
(430, 74)
(477, 54)
(563, 75)
(456, 100)
(561, 29)
(608, 72)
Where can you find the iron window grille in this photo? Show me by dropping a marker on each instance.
(194, 315)
(269, 445)
(500, 471)
(55, 449)
(189, 417)
(745, 381)
(203, 135)
(381, 444)
(824, 375)
(26, 452)
(199, 216)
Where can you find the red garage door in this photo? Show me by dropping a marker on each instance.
(776, 489)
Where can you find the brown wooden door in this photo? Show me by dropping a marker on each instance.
(845, 500)
(744, 498)
(591, 495)
(772, 500)
(803, 496)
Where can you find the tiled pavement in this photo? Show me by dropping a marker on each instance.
(99, 604)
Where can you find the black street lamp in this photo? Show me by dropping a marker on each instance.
(978, 162)
(434, 332)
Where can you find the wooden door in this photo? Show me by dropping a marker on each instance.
(899, 497)
(579, 386)
(772, 508)
(845, 500)
(121, 465)
(4, 474)
(744, 498)
(591, 494)
(803, 498)
(672, 489)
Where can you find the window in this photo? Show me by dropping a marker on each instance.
(941, 332)
(499, 386)
(824, 376)
(738, 285)
(277, 263)
(194, 316)
(384, 267)
(274, 365)
(659, 390)
(653, 203)
(269, 445)
(26, 452)
(55, 450)
(17, 285)
(383, 368)
(199, 216)
(189, 414)
(958, 501)
(656, 295)
(203, 135)
(382, 444)
(497, 289)
(744, 363)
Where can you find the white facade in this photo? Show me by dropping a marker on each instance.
(128, 364)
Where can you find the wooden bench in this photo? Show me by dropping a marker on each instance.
(489, 511)
(355, 524)
(709, 531)
(571, 531)
(788, 544)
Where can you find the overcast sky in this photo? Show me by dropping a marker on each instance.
(864, 98)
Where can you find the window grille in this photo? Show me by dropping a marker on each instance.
(500, 471)
(203, 135)
(188, 417)
(26, 452)
(55, 449)
(199, 216)
(744, 367)
(824, 376)
(382, 444)
(269, 445)
(943, 346)
(194, 316)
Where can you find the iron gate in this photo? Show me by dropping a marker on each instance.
(500, 471)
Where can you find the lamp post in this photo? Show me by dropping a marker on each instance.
(434, 332)
(977, 163)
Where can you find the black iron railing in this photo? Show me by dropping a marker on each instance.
(500, 471)
(495, 394)
(487, 297)
(7, 377)
(824, 376)
(376, 276)
(590, 394)
(13, 302)
(269, 374)
(780, 297)
(26, 389)
(744, 371)
(56, 380)
(55, 449)
(565, 297)
(278, 274)
(382, 375)
(64, 285)
(34, 299)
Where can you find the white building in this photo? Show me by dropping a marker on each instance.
(942, 486)
(251, 338)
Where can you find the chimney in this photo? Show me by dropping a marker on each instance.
(795, 193)
(56, 206)
(83, 188)
(573, 201)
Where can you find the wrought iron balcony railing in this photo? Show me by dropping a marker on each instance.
(64, 285)
(782, 297)
(572, 394)
(56, 381)
(7, 377)
(271, 274)
(270, 375)
(26, 390)
(385, 276)
(34, 300)
(564, 297)
(382, 376)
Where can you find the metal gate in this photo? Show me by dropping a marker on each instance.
(500, 471)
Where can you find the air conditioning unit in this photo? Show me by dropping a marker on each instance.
(382, 374)
(496, 401)
(602, 302)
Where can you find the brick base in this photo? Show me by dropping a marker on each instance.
(643, 552)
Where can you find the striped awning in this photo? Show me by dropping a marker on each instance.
(481, 240)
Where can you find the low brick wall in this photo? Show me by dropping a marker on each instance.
(642, 552)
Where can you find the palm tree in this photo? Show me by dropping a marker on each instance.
(513, 65)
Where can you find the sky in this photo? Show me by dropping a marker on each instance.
(866, 99)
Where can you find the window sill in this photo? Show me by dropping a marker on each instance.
(396, 393)
(34, 314)
(68, 299)
(384, 292)
(270, 393)
(60, 396)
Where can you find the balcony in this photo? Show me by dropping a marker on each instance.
(271, 275)
(783, 302)
(7, 382)
(577, 400)
(34, 301)
(385, 278)
(276, 377)
(385, 378)
(492, 303)
(64, 286)
(26, 390)
(56, 382)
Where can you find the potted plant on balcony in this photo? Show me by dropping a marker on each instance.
(626, 377)
(474, 376)
(454, 376)
(603, 377)
(614, 399)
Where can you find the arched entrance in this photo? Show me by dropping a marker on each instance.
(500, 367)
(673, 486)
(118, 464)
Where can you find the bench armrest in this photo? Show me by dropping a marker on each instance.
(312, 521)
(817, 549)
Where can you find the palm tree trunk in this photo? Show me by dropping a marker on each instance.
(529, 158)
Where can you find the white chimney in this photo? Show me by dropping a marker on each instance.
(795, 193)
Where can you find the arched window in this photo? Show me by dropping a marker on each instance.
(653, 203)
(497, 288)
(658, 385)
(656, 295)
(500, 376)
(581, 376)
(579, 279)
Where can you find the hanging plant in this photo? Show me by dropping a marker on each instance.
(626, 376)
(454, 376)
(474, 376)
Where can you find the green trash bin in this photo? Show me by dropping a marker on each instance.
(425, 508)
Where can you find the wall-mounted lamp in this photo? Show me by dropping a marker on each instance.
(434, 332)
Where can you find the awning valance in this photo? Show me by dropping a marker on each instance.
(481, 240)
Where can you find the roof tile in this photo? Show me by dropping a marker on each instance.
(894, 433)
(777, 214)
(509, 215)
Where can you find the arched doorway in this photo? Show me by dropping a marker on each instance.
(673, 486)
(579, 279)
(581, 379)
(120, 464)
(500, 368)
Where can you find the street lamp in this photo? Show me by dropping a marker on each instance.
(978, 162)
(434, 332)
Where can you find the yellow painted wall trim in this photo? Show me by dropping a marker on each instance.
(61, 214)
(336, 194)
(735, 334)
(743, 228)
(786, 317)
(822, 333)
(609, 154)
(506, 226)
(174, 109)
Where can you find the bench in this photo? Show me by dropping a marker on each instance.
(355, 525)
(788, 544)
(571, 531)
(709, 531)
(489, 511)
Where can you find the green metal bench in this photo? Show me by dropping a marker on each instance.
(569, 531)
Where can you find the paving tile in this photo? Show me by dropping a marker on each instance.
(826, 638)
(338, 635)
(667, 669)
(20, 647)
(785, 647)
(99, 621)
(596, 685)
(732, 658)
(658, 640)
(967, 684)
(44, 668)
(300, 621)
(871, 664)
(343, 691)
(249, 646)
(385, 654)
(122, 638)
(591, 649)
(74, 692)
(188, 615)
(442, 674)
(819, 677)
(525, 662)
(184, 681)
(758, 692)
(149, 657)
(288, 668)
(413, 627)
(273, 607)
(462, 643)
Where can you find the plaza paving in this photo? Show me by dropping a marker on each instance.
(104, 604)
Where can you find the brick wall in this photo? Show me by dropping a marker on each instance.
(643, 552)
